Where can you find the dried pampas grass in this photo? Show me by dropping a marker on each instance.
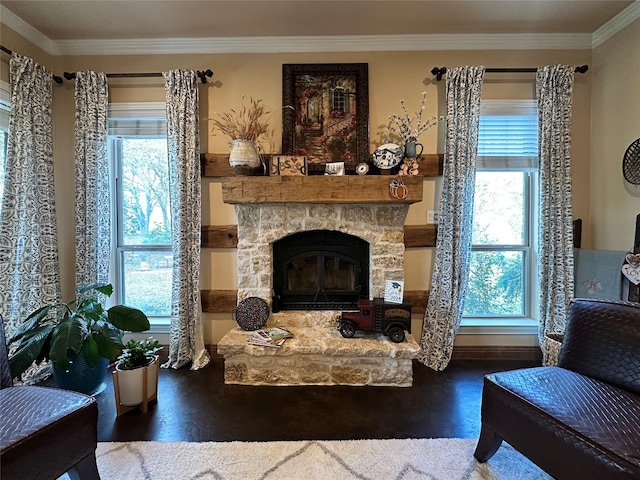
(248, 123)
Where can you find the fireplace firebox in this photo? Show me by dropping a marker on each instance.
(320, 270)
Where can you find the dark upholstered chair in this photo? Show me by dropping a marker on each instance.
(580, 419)
(45, 432)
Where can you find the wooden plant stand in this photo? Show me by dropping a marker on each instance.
(144, 405)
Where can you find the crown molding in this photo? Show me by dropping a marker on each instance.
(314, 44)
(22, 28)
(342, 43)
(617, 23)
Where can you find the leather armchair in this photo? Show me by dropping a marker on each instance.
(45, 432)
(580, 419)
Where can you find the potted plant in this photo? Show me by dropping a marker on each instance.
(136, 372)
(80, 338)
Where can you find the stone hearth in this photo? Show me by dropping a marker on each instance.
(317, 355)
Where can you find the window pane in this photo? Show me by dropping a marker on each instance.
(146, 216)
(498, 211)
(147, 281)
(495, 284)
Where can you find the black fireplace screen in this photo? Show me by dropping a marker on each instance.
(320, 270)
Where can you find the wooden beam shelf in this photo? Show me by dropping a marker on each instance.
(217, 164)
(224, 301)
(219, 236)
(420, 235)
(419, 299)
(346, 189)
(226, 236)
(219, 301)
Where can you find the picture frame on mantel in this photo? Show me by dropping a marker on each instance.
(325, 114)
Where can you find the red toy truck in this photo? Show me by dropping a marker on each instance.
(376, 315)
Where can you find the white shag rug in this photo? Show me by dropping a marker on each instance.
(433, 459)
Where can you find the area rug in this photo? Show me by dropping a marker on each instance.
(433, 459)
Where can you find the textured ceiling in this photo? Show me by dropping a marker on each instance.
(135, 19)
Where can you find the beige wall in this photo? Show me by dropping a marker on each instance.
(393, 76)
(17, 43)
(615, 112)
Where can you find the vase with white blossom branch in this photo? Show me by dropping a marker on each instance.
(409, 128)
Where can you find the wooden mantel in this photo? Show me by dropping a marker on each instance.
(318, 189)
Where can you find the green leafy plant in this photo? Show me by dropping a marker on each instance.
(81, 326)
(137, 353)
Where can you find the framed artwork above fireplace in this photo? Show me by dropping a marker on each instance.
(325, 113)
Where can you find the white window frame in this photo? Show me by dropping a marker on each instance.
(526, 323)
(150, 117)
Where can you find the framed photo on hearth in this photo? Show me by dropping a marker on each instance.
(394, 291)
(325, 114)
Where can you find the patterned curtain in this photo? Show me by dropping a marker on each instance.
(29, 273)
(453, 245)
(93, 219)
(183, 136)
(554, 85)
(29, 268)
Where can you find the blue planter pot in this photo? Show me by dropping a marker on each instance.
(80, 377)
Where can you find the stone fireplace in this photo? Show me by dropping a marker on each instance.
(328, 251)
(379, 229)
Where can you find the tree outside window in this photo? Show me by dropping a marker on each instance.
(144, 224)
(502, 277)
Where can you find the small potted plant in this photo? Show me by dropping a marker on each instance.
(136, 371)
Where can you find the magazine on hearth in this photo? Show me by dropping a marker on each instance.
(269, 337)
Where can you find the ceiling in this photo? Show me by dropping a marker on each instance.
(70, 20)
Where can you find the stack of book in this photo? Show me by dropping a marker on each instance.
(269, 337)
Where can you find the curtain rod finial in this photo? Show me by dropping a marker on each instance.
(438, 72)
(203, 75)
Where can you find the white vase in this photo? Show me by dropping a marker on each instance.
(130, 384)
(244, 158)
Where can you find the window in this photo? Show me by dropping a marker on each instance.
(338, 100)
(502, 269)
(143, 269)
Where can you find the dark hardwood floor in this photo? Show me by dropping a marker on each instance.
(197, 406)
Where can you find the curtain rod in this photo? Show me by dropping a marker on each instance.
(201, 74)
(55, 78)
(439, 72)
